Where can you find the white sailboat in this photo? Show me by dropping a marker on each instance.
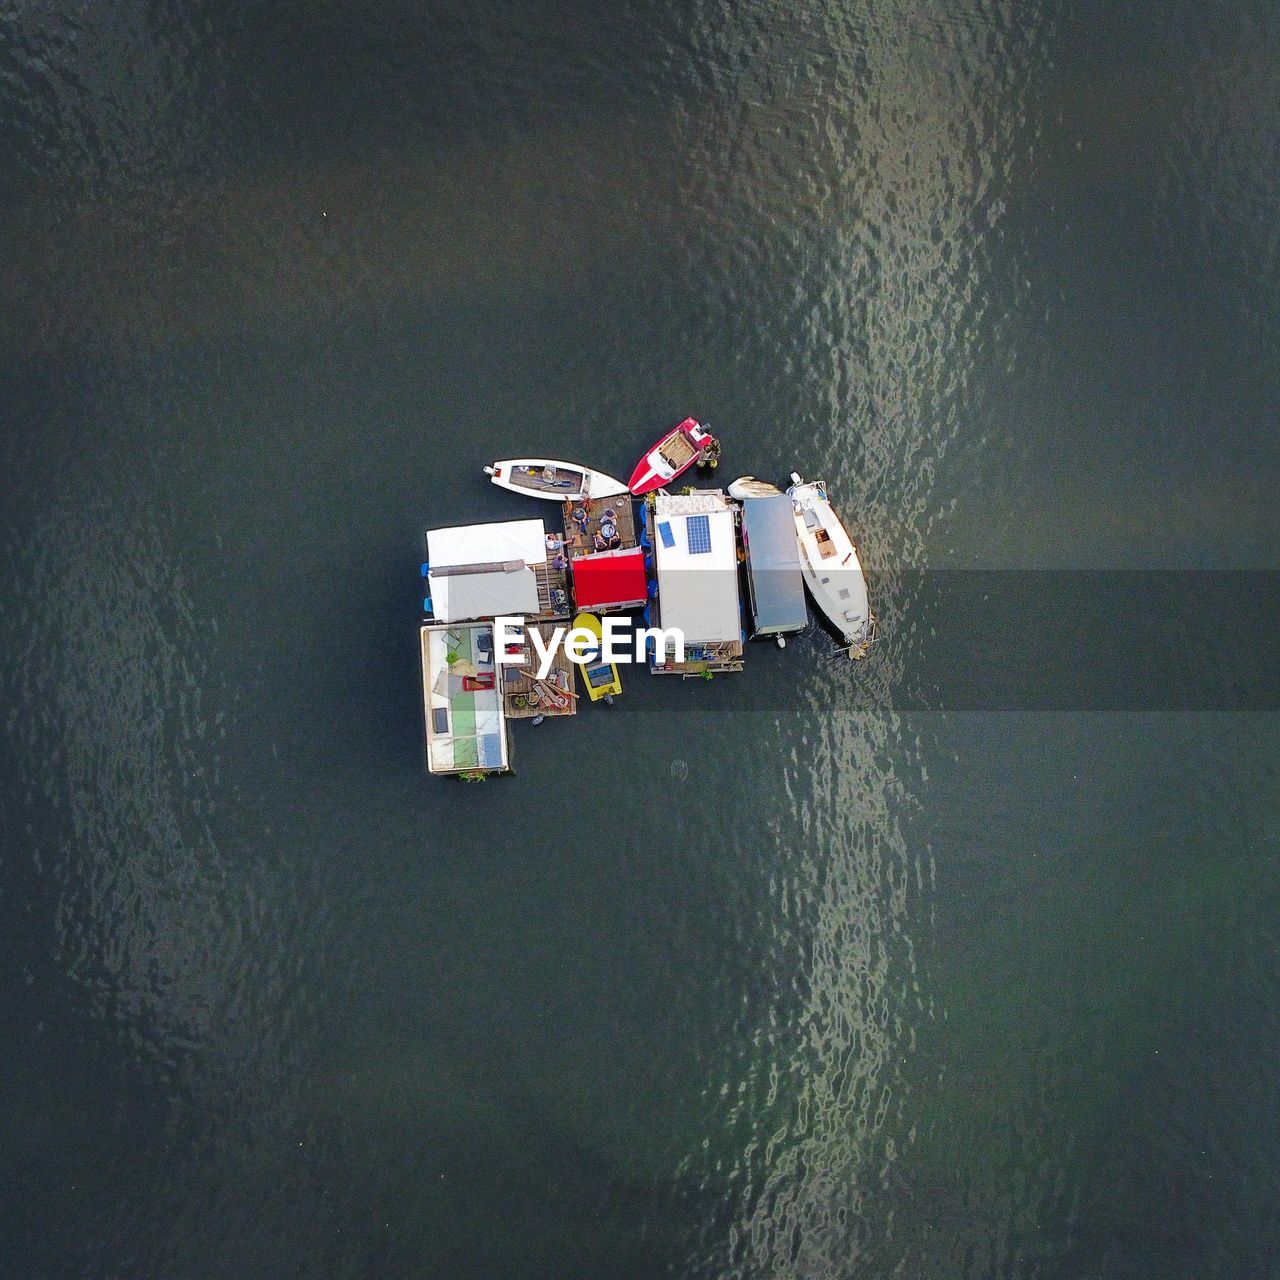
(829, 562)
(556, 481)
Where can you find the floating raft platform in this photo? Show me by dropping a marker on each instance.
(466, 726)
(524, 697)
(605, 558)
(580, 538)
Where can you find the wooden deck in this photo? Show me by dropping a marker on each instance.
(553, 586)
(548, 480)
(703, 659)
(582, 542)
(720, 657)
(523, 698)
(678, 452)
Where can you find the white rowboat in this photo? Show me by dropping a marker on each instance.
(555, 481)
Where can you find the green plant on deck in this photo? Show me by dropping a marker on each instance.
(708, 675)
(473, 775)
(688, 489)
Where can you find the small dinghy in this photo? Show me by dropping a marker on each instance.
(673, 455)
(600, 677)
(745, 487)
(558, 481)
(830, 565)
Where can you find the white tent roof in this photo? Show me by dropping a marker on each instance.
(500, 556)
(466, 544)
(697, 589)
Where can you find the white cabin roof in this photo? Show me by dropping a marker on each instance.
(696, 560)
(466, 728)
(483, 570)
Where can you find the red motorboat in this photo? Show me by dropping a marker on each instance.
(673, 455)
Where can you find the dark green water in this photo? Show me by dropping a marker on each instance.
(871, 991)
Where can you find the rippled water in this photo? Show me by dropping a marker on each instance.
(770, 977)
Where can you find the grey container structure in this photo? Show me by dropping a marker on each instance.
(775, 586)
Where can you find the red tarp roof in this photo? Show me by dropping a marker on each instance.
(609, 578)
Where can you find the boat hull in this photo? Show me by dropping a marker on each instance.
(745, 487)
(830, 566)
(555, 481)
(671, 457)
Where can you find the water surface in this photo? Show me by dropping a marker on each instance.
(865, 990)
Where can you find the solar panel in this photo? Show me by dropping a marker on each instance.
(698, 531)
(664, 532)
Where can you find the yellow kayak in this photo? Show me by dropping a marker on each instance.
(601, 678)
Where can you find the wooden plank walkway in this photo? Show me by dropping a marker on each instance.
(553, 587)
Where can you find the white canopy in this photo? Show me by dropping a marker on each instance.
(467, 544)
(482, 570)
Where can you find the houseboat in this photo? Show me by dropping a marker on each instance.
(462, 702)
(775, 584)
(483, 570)
(696, 570)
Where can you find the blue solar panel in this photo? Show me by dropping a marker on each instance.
(664, 532)
(698, 531)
